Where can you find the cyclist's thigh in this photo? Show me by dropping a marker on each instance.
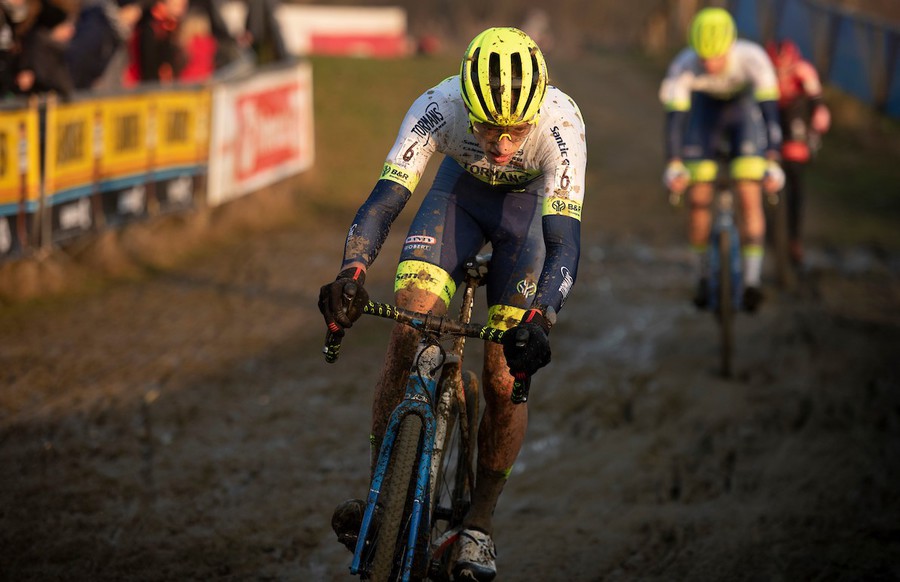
(748, 139)
(441, 237)
(512, 220)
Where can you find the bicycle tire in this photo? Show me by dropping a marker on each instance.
(726, 305)
(390, 548)
(454, 489)
(784, 269)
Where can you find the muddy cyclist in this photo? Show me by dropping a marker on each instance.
(512, 177)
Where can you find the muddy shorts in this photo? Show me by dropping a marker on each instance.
(737, 124)
(459, 215)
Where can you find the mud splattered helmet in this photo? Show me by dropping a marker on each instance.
(503, 78)
(712, 33)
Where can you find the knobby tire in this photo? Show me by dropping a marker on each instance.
(456, 474)
(726, 302)
(390, 548)
(783, 266)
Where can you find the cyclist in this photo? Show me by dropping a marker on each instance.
(722, 89)
(804, 118)
(512, 176)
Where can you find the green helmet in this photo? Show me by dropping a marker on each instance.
(503, 77)
(712, 33)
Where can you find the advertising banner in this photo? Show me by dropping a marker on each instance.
(19, 178)
(262, 131)
(69, 167)
(182, 146)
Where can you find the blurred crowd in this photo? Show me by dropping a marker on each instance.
(64, 46)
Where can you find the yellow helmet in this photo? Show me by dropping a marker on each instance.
(503, 77)
(712, 33)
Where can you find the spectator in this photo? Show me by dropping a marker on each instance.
(46, 31)
(264, 31)
(154, 51)
(98, 52)
(804, 118)
(12, 12)
(199, 47)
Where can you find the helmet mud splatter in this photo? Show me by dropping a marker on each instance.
(503, 78)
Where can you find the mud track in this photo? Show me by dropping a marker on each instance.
(183, 426)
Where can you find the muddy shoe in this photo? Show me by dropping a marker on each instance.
(477, 557)
(346, 521)
(753, 297)
(701, 297)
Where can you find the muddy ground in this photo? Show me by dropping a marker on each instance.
(180, 423)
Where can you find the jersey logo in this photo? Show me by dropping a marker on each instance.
(431, 120)
(562, 207)
(526, 288)
(404, 177)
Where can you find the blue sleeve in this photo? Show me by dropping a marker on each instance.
(773, 124)
(675, 126)
(373, 222)
(562, 237)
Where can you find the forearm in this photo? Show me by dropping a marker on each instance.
(562, 238)
(771, 118)
(674, 133)
(373, 223)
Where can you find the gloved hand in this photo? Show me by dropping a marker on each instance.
(342, 301)
(676, 177)
(526, 346)
(821, 119)
(773, 178)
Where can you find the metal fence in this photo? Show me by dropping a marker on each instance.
(858, 54)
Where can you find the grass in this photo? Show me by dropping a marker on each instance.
(359, 104)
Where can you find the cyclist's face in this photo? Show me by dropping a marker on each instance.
(715, 65)
(501, 142)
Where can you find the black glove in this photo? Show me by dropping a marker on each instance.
(526, 346)
(342, 301)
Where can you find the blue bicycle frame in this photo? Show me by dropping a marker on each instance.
(724, 222)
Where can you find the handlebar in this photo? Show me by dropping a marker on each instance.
(427, 322)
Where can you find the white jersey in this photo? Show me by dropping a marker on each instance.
(555, 153)
(748, 70)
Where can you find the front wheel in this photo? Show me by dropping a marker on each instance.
(390, 547)
(453, 490)
(785, 274)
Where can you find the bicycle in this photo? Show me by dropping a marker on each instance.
(725, 269)
(424, 473)
(785, 273)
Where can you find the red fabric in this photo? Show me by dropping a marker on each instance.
(795, 151)
(796, 76)
(201, 59)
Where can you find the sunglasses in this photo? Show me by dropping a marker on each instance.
(494, 133)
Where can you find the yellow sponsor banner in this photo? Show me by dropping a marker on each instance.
(182, 128)
(19, 161)
(70, 152)
(125, 128)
